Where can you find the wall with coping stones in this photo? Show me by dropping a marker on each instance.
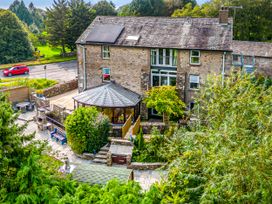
(61, 88)
(145, 166)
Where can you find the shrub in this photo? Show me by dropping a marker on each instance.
(36, 84)
(87, 130)
(166, 101)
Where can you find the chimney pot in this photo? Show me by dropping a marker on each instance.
(224, 15)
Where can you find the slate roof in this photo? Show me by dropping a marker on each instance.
(110, 95)
(166, 32)
(247, 48)
(100, 174)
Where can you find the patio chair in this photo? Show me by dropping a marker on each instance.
(30, 107)
(14, 107)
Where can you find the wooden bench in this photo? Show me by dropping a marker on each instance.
(59, 135)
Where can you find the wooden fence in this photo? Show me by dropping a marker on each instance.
(126, 126)
(136, 126)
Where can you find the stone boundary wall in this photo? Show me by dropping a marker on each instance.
(17, 94)
(148, 126)
(61, 88)
(145, 166)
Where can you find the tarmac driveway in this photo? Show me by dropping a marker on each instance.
(63, 71)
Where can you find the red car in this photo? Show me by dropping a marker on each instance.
(16, 70)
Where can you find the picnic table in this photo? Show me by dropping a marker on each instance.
(22, 106)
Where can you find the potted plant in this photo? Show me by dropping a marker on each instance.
(39, 93)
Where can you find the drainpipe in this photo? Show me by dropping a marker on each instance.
(223, 68)
(84, 69)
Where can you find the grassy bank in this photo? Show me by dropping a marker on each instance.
(50, 55)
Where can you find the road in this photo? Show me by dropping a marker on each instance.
(63, 71)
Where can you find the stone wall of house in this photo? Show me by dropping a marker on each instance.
(264, 65)
(210, 63)
(130, 67)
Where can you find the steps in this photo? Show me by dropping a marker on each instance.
(101, 156)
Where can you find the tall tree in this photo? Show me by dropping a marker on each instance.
(172, 5)
(79, 18)
(15, 44)
(56, 23)
(226, 157)
(148, 7)
(105, 8)
(19, 8)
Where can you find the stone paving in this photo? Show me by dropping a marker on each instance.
(145, 178)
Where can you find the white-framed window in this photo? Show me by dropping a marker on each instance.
(163, 77)
(105, 52)
(195, 57)
(106, 74)
(164, 57)
(194, 81)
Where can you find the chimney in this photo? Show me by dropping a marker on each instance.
(224, 15)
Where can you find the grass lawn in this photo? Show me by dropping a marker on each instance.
(51, 55)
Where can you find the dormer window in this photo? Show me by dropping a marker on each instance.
(105, 52)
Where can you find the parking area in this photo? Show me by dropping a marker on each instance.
(63, 71)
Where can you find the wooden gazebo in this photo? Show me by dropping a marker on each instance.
(113, 100)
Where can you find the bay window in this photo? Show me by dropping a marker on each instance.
(163, 78)
(164, 57)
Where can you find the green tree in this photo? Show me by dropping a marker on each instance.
(166, 101)
(189, 10)
(173, 5)
(226, 157)
(19, 8)
(14, 39)
(125, 11)
(87, 130)
(79, 18)
(148, 7)
(105, 8)
(56, 23)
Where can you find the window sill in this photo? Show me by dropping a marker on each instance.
(191, 89)
(159, 65)
(105, 58)
(194, 64)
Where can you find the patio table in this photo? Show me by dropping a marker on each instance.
(22, 106)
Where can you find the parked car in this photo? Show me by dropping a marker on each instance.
(16, 70)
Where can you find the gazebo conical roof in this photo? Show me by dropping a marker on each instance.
(110, 95)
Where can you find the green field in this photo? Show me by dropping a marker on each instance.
(51, 55)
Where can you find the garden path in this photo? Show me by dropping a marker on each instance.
(145, 178)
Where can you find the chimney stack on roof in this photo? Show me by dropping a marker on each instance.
(224, 15)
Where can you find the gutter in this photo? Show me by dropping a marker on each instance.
(223, 68)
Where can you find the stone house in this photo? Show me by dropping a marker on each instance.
(141, 52)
